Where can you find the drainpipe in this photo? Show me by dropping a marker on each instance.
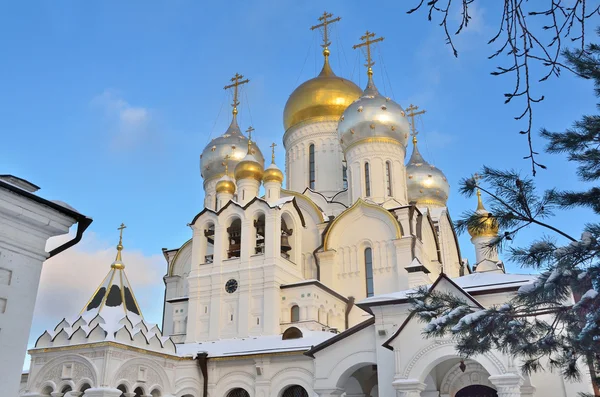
(83, 222)
(202, 359)
(349, 307)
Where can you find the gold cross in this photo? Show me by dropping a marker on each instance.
(273, 152)
(119, 247)
(325, 21)
(226, 163)
(367, 43)
(411, 113)
(237, 81)
(121, 230)
(249, 131)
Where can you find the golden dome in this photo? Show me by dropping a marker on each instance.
(273, 174)
(249, 168)
(488, 225)
(226, 185)
(323, 98)
(426, 185)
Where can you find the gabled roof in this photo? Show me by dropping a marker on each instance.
(343, 335)
(486, 282)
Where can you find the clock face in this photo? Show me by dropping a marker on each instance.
(231, 286)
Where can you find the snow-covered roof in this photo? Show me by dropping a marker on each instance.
(254, 345)
(484, 281)
(112, 314)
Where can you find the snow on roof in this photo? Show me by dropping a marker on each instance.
(254, 345)
(483, 281)
(281, 201)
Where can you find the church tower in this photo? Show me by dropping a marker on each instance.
(313, 153)
(248, 174)
(373, 132)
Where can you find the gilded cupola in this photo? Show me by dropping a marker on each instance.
(250, 167)
(426, 184)
(372, 117)
(226, 184)
(323, 98)
(487, 225)
(232, 144)
(272, 172)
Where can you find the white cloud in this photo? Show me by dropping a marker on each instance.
(130, 123)
(70, 278)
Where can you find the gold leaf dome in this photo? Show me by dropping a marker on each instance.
(488, 225)
(323, 98)
(426, 185)
(273, 174)
(226, 185)
(249, 168)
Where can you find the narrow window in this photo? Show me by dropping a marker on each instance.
(345, 176)
(367, 181)
(311, 166)
(257, 320)
(295, 314)
(388, 177)
(369, 270)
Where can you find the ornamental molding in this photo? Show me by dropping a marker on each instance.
(302, 130)
(82, 368)
(154, 373)
(455, 379)
(442, 343)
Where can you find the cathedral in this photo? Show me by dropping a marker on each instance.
(300, 289)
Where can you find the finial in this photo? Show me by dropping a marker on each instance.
(477, 178)
(411, 113)
(117, 264)
(325, 21)
(367, 42)
(249, 131)
(273, 152)
(237, 81)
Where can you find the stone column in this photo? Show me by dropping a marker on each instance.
(76, 394)
(527, 391)
(103, 392)
(507, 385)
(57, 394)
(408, 387)
(129, 394)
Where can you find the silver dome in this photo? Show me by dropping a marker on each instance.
(232, 143)
(426, 184)
(372, 116)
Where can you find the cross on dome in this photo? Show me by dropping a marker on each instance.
(273, 152)
(325, 22)
(368, 41)
(237, 81)
(411, 113)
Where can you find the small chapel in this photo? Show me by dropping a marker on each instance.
(295, 279)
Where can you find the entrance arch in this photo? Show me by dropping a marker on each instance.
(477, 391)
(238, 392)
(295, 391)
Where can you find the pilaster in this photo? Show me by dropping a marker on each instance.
(507, 385)
(102, 392)
(408, 387)
(329, 392)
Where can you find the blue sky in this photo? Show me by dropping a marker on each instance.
(108, 105)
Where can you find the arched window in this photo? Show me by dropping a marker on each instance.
(388, 177)
(238, 392)
(311, 166)
(259, 242)
(295, 314)
(367, 181)
(122, 389)
(295, 391)
(234, 233)
(345, 176)
(139, 392)
(369, 270)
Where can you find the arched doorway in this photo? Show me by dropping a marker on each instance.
(238, 392)
(477, 391)
(295, 391)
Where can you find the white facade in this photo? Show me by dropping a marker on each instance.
(26, 223)
(301, 292)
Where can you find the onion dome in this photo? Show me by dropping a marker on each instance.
(233, 144)
(250, 167)
(272, 172)
(487, 225)
(226, 184)
(426, 184)
(373, 117)
(323, 98)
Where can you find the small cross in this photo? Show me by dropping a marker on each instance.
(325, 21)
(237, 81)
(367, 43)
(411, 113)
(121, 230)
(226, 163)
(273, 152)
